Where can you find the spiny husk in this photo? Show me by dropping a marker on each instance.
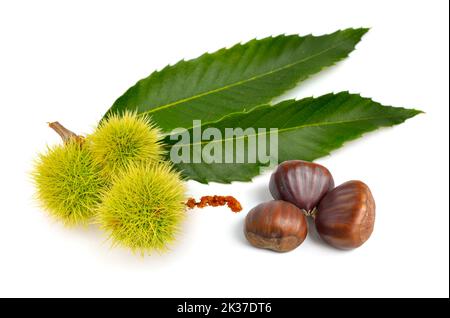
(144, 207)
(68, 183)
(124, 139)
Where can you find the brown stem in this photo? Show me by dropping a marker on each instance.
(65, 133)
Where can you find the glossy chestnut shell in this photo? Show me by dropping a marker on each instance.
(276, 225)
(301, 183)
(345, 217)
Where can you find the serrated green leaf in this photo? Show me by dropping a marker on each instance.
(235, 79)
(307, 129)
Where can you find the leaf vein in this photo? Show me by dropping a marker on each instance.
(253, 78)
(296, 128)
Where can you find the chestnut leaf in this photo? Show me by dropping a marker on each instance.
(308, 129)
(234, 79)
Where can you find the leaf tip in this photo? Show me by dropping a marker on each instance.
(355, 33)
(364, 30)
(416, 112)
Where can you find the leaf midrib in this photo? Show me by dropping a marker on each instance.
(295, 128)
(240, 82)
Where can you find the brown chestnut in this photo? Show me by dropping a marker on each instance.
(276, 225)
(345, 217)
(301, 183)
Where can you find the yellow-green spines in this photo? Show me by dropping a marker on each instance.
(124, 139)
(144, 207)
(68, 183)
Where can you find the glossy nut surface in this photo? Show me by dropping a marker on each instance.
(345, 217)
(276, 225)
(301, 183)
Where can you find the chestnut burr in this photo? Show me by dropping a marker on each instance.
(301, 183)
(276, 225)
(345, 216)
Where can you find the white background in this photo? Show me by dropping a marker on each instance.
(69, 61)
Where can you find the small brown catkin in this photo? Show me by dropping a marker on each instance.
(215, 200)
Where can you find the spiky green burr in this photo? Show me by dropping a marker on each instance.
(144, 207)
(68, 180)
(124, 139)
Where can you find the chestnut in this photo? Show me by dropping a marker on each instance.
(345, 216)
(301, 183)
(276, 225)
